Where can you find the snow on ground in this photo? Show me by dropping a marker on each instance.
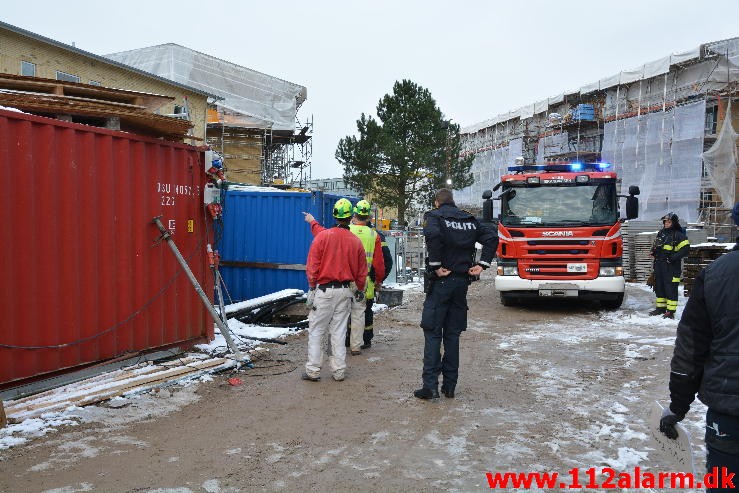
(631, 335)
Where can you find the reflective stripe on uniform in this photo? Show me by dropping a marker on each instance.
(667, 247)
(672, 305)
(682, 244)
(661, 302)
(675, 279)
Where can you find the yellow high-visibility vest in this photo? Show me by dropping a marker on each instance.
(368, 237)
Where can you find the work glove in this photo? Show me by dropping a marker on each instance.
(359, 296)
(667, 423)
(309, 299)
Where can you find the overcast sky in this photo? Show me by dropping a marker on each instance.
(478, 58)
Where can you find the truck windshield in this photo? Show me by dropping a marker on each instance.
(558, 205)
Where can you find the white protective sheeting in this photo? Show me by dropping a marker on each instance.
(720, 162)
(267, 101)
(487, 168)
(660, 152)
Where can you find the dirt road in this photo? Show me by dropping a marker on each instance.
(542, 388)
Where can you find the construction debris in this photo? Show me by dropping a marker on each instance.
(106, 386)
(93, 105)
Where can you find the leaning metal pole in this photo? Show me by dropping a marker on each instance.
(240, 357)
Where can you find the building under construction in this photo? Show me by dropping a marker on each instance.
(254, 126)
(662, 125)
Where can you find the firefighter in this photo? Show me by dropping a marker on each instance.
(451, 235)
(376, 273)
(336, 260)
(706, 361)
(669, 248)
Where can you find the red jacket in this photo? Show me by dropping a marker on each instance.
(336, 254)
(378, 260)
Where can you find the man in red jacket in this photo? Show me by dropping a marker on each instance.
(336, 259)
(375, 263)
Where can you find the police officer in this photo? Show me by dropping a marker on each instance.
(669, 248)
(451, 235)
(706, 360)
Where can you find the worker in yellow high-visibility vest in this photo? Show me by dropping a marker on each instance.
(376, 271)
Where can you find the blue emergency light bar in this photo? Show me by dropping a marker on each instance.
(565, 167)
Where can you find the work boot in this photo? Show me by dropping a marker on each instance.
(657, 311)
(426, 394)
(366, 345)
(339, 376)
(305, 376)
(668, 314)
(356, 353)
(448, 392)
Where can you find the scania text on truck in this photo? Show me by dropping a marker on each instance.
(560, 233)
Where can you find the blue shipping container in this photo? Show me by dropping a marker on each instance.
(265, 239)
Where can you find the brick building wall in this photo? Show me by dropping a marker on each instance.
(48, 59)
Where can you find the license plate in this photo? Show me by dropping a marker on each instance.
(577, 268)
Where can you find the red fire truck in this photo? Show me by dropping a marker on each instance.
(560, 233)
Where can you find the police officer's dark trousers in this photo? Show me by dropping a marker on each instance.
(666, 281)
(443, 319)
(722, 445)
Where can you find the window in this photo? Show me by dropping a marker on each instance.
(66, 77)
(28, 69)
(95, 83)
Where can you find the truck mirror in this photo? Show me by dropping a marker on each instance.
(487, 194)
(487, 208)
(496, 187)
(634, 190)
(632, 207)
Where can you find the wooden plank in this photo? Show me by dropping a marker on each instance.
(105, 391)
(3, 418)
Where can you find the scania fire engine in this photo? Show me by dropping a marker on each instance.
(560, 233)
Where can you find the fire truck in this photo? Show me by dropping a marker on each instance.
(560, 233)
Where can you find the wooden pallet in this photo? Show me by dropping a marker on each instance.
(109, 385)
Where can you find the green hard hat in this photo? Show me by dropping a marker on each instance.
(362, 208)
(342, 209)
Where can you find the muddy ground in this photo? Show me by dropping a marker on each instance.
(542, 388)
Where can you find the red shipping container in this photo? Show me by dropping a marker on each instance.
(82, 279)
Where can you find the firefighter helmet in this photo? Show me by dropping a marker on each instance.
(342, 209)
(362, 208)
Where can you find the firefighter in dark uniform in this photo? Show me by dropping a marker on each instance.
(451, 235)
(706, 361)
(669, 248)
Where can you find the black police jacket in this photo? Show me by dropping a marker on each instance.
(451, 235)
(706, 356)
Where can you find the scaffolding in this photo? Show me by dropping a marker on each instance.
(655, 123)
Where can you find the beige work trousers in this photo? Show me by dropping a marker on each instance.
(356, 336)
(330, 311)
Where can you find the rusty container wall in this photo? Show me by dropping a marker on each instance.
(82, 279)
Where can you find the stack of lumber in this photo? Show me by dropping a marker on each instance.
(643, 263)
(118, 109)
(108, 385)
(634, 260)
(700, 256)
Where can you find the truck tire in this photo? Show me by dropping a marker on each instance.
(507, 299)
(613, 304)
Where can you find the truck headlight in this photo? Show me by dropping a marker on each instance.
(507, 270)
(611, 271)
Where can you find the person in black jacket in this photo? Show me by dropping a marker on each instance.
(706, 360)
(451, 235)
(669, 248)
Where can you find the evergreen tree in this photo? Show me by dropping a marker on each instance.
(405, 155)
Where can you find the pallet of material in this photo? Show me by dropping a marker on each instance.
(700, 257)
(108, 385)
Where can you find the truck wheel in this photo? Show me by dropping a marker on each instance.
(612, 304)
(507, 299)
